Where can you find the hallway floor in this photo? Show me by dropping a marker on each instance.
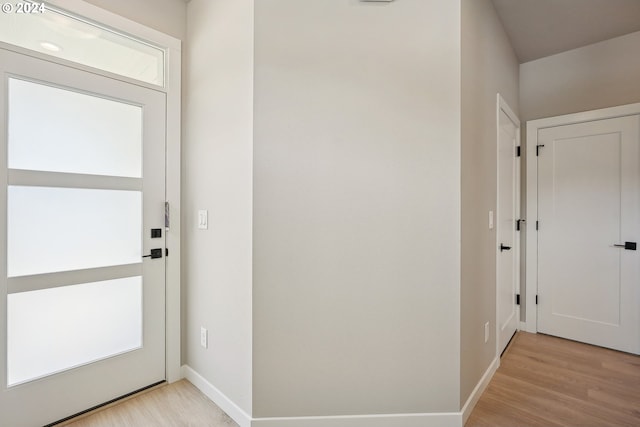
(549, 381)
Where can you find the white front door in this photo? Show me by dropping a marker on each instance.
(82, 194)
(588, 207)
(508, 244)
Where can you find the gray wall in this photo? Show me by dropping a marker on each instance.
(356, 207)
(489, 66)
(167, 16)
(596, 76)
(217, 176)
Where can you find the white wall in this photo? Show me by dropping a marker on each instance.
(167, 16)
(596, 76)
(489, 66)
(356, 207)
(217, 176)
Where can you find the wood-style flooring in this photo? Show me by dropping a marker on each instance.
(542, 381)
(548, 381)
(176, 405)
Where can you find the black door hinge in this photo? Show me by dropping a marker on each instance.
(517, 299)
(166, 251)
(518, 151)
(537, 225)
(536, 299)
(538, 147)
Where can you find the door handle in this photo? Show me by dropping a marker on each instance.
(504, 248)
(155, 253)
(630, 246)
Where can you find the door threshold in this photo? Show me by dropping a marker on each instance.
(113, 402)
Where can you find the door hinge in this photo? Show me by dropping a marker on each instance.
(537, 225)
(538, 147)
(518, 222)
(166, 251)
(518, 151)
(167, 216)
(536, 299)
(517, 299)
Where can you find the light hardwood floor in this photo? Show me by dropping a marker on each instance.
(175, 405)
(542, 381)
(548, 381)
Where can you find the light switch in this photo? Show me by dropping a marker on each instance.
(490, 220)
(203, 219)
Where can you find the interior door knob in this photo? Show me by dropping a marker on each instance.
(504, 248)
(630, 246)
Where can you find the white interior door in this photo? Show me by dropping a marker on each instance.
(508, 254)
(588, 205)
(81, 188)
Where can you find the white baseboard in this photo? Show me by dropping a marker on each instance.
(219, 398)
(523, 326)
(479, 389)
(445, 419)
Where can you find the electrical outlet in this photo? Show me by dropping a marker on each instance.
(486, 332)
(204, 339)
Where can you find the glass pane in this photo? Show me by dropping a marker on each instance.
(65, 37)
(61, 229)
(58, 130)
(61, 328)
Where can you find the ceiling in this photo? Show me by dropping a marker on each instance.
(539, 28)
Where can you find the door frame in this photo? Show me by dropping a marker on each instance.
(172, 89)
(533, 126)
(502, 106)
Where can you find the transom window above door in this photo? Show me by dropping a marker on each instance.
(55, 32)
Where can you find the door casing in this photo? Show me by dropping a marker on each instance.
(533, 127)
(172, 88)
(25, 68)
(503, 107)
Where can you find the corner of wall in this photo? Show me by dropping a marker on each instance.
(218, 178)
(489, 67)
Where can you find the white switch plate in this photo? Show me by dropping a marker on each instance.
(204, 339)
(203, 219)
(490, 220)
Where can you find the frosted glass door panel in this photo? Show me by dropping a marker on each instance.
(58, 130)
(57, 329)
(61, 229)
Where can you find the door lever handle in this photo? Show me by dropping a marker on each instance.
(504, 248)
(155, 253)
(629, 246)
